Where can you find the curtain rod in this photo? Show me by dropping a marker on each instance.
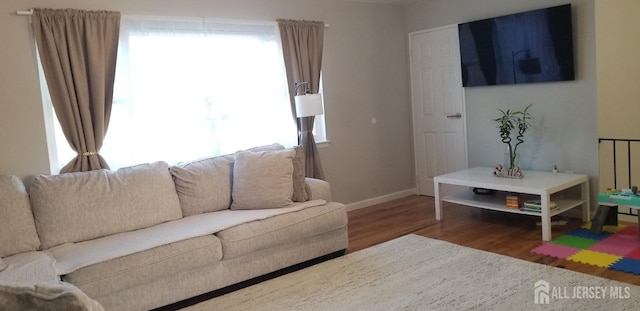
(30, 12)
(25, 13)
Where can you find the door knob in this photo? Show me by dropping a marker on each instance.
(454, 116)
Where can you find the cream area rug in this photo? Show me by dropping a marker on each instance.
(417, 273)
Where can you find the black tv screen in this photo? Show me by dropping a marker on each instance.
(528, 47)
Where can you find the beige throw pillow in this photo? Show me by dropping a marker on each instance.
(299, 174)
(272, 147)
(262, 179)
(17, 226)
(52, 296)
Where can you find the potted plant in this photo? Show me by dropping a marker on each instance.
(512, 126)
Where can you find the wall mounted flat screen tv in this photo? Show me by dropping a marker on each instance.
(528, 47)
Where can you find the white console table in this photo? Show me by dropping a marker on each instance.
(542, 184)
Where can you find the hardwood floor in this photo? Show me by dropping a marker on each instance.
(502, 233)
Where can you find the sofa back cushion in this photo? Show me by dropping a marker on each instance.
(81, 206)
(204, 186)
(17, 228)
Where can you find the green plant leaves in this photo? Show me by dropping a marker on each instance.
(512, 120)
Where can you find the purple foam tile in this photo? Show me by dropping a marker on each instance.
(555, 250)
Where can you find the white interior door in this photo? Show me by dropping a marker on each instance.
(439, 121)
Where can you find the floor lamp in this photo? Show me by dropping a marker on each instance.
(307, 105)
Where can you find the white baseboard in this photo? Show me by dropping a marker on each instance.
(380, 199)
(628, 218)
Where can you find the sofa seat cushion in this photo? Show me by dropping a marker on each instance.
(147, 266)
(17, 228)
(28, 268)
(76, 207)
(282, 229)
(74, 256)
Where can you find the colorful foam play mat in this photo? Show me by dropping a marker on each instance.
(616, 248)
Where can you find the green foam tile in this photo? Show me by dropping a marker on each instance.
(574, 241)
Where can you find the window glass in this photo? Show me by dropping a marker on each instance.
(193, 88)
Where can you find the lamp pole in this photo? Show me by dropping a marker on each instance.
(513, 62)
(297, 85)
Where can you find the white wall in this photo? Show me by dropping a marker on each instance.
(618, 47)
(565, 132)
(365, 76)
(618, 70)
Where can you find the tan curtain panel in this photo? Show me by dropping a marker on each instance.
(78, 53)
(302, 48)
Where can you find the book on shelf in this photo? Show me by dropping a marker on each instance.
(536, 205)
(513, 200)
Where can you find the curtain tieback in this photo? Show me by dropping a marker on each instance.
(88, 153)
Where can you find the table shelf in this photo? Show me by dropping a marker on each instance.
(497, 202)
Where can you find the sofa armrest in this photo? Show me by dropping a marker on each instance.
(318, 189)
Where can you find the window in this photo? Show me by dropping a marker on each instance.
(193, 88)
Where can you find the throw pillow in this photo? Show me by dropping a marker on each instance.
(2, 265)
(299, 174)
(262, 179)
(271, 147)
(54, 295)
(17, 227)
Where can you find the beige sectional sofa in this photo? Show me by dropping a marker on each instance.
(151, 235)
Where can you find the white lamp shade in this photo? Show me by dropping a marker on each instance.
(308, 105)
